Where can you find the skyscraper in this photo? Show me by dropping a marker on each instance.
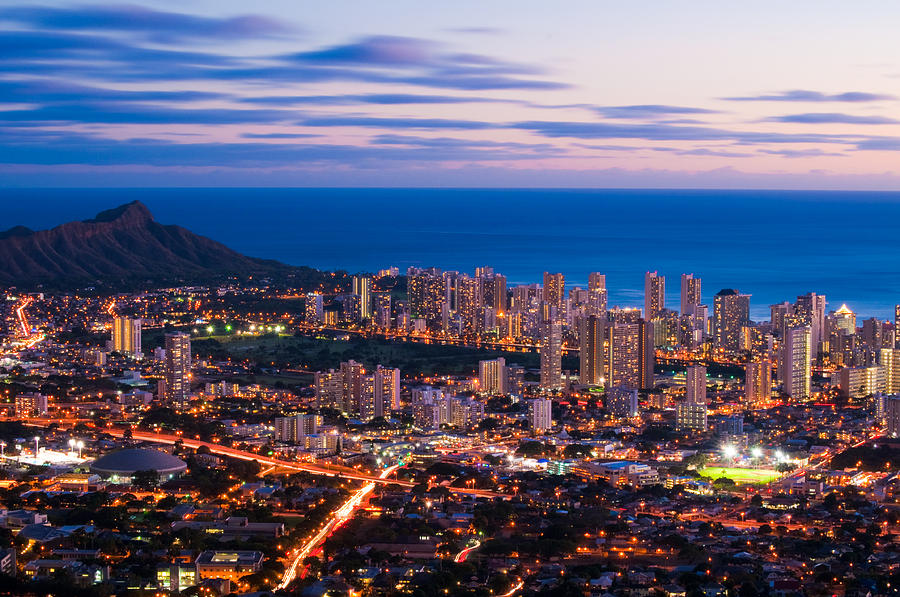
(695, 385)
(896, 326)
(889, 359)
(127, 336)
(551, 354)
(796, 359)
(691, 414)
(314, 312)
(757, 382)
(590, 338)
(471, 305)
(810, 309)
(654, 294)
(387, 390)
(492, 377)
(622, 402)
(540, 414)
(844, 319)
(892, 415)
(596, 281)
(731, 312)
(690, 294)
(177, 369)
(554, 291)
(630, 355)
(362, 287)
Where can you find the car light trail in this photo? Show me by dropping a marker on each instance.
(338, 517)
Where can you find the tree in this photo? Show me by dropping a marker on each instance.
(577, 451)
(533, 448)
(145, 479)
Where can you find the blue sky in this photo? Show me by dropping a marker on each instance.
(581, 93)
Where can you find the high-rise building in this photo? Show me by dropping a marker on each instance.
(353, 391)
(695, 385)
(387, 390)
(896, 326)
(492, 376)
(554, 292)
(590, 338)
(540, 414)
(177, 368)
(654, 294)
(872, 333)
(691, 414)
(362, 287)
(690, 294)
(493, 291)
(630, 354)
(126, 337)
(844, 319)
(810, 309)
(622, 403)
(892, 415)
(596, 281)
(31, 404)
(295, 429)
(757, 382)
(859, 382)
(731, 313)
(470, 304)
(795, 363)
(314, 312)
(551, 354)
(889, 359)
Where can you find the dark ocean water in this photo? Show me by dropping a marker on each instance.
(771, 244)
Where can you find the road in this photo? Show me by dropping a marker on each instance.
(266, 461)
(28, 339)
(337, 518)
(461, 556)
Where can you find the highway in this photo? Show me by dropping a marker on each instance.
(337, 518)
(267, 461)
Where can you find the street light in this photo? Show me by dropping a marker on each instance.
(2, 449)
(730, 451)
(756, 452)
(72, 445)
(37, 440)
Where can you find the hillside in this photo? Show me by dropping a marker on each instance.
(121, 245)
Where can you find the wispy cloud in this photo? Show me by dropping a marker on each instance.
(663, 132)
(74, 149)
(833, 118)
(396, 123)
(804, 95)
(648, 111)
(154, 25)
(801, 153)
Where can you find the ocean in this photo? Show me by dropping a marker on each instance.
(773, 245)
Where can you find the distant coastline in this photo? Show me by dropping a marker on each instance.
(773, 245)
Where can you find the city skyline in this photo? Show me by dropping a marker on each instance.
(590, 95)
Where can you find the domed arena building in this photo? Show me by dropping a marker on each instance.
(121, 465)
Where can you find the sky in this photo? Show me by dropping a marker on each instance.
(582, 93)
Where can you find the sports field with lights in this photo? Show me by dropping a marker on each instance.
(740, 475)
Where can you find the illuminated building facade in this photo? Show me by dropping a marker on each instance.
(177, 368)
(731, 313)
(654, 294)
(126, 337)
